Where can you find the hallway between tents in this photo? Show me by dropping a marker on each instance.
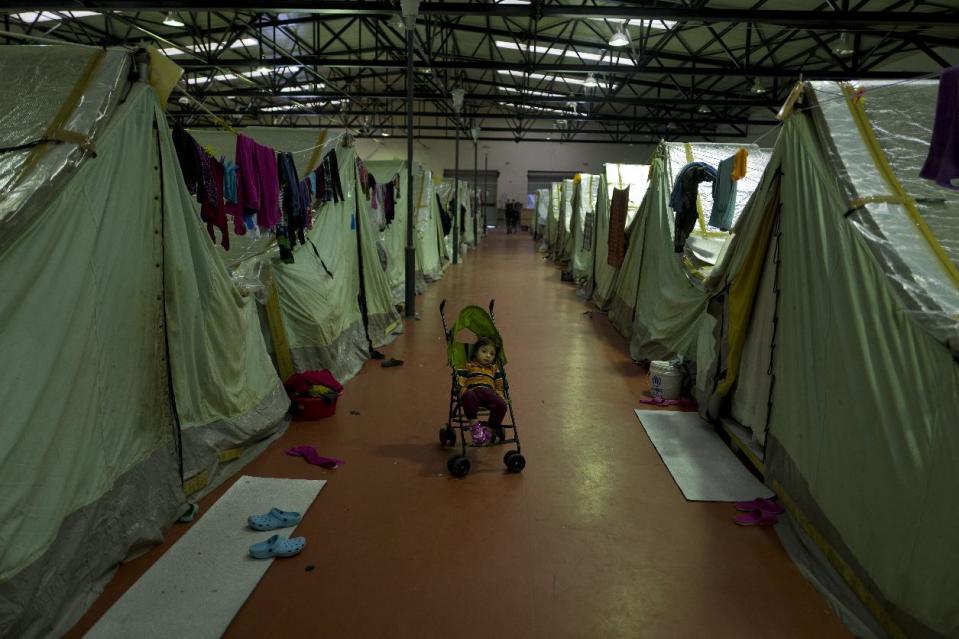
(592, 539)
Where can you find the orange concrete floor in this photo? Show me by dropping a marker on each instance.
(594, 539)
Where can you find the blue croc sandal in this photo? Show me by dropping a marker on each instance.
(276, 546)
(274, 519)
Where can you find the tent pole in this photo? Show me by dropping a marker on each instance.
(476, 197)
(485, 192)
(456, 199)
(410, 250)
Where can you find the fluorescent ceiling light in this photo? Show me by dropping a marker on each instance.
(303, 87)
(171, 20)
(546, 94)
(590, 81)
(552, 78)
(207, 47)
(530, 107)
(569, 53)
(50, 16)
(758, 88)
(255, 73)
(385, 134)
(301, 105)
(843, 47)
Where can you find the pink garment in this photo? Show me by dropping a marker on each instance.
(309, 454)
(258, 181)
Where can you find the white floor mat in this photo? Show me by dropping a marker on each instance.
(200, 583)
(704, 468)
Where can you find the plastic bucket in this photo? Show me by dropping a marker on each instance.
(312, 408)
(666, 381)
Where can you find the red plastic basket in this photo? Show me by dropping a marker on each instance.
(312, 408)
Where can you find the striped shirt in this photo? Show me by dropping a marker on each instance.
(475, 375)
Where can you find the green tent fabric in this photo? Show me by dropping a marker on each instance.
(670, 325)
(846, 397)
(553, 220)
(129, 296)
(565, 233)
(321, 316)
(393, 236)
(430, 242)
(584, 219)
(834, 366)
(476, 320)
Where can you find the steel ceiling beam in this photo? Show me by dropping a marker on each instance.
(822, 19)
(516, 98)
(498, 115)
(520, 67)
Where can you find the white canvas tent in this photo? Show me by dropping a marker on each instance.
(113, 298)
(835, 314)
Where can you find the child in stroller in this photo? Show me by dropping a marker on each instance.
(478, 382)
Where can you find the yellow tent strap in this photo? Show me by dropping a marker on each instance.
(699, 201)
(281, 348)
(55, 129)
(882, 164)
(317, 152)
(619, 175)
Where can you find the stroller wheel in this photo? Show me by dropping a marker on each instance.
(458, 466)
(515, 463)
(447, 437)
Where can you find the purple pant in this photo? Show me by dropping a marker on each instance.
(486, 398)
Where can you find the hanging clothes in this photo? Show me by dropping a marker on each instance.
(338, 195)
(259, 185)
(233, 204)
(186, 153)
(294, 215)
(724, 195)
(445, 218)
(683, 199)
(618, 207)
(389, 204)
(942, 163)
(212, 209)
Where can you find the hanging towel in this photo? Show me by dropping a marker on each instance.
(942, 163)
(389, 204)
(618, 206)
(212, 210)
(186, 153)
(724, 195)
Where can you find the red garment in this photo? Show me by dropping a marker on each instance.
(300, 383)
(212, 208)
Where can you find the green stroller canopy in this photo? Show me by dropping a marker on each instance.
(479, 322)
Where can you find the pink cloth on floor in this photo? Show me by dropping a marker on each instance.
(309, 454)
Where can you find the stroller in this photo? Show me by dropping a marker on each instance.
(482, 324)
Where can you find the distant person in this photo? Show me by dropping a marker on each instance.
(512, 216)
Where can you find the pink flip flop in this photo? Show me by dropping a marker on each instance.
(756, 518)
(765, 505)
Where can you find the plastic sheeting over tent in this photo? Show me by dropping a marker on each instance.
(131, 300)
(834, 347)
